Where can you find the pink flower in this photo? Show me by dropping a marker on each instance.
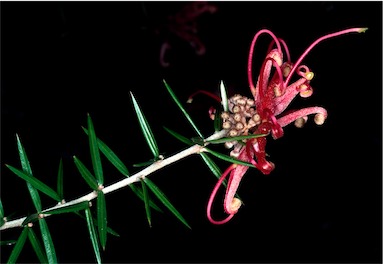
(265, 113)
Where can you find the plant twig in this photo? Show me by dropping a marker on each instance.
(195, 149)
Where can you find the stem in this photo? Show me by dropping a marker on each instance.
(195, 149)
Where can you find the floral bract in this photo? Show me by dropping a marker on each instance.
(265, 112)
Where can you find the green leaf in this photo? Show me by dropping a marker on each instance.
(179, 137)
(145, 128)
(37, 246)
(60, 181)
(47, 240)
(146, 201)
(36, 183)
(109, 230)
(2, 221)
(19, 246)
(94, 153)
(101, 218)
(7, 242)
(214, 169)
(93, 234)
(86, 174)
(198, 141)
(230, 139)
(27, 168)
(161, 196)
(139, 193)
(211, 165)
(229, 159)
(30, 219)
(225, 102)
(217, 121)
(111, 156)
(144, 164)
(69, 209)
(182, 109)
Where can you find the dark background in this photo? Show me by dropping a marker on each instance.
(322, 203)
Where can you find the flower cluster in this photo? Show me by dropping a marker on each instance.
(265, 113)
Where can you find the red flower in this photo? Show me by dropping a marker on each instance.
(265, 114)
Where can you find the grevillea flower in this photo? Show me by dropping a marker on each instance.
(265, 112)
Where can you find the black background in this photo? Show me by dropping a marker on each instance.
(322, 203)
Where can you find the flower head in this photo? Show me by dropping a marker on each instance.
(265, 112)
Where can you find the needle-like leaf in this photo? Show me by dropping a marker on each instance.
(179, 137)
(116, 161)
(60, 180)
(228, 158)
(18, 246)
(109, 230)
(37, 247)
(229, 139)
(27, 168)
(94, 153)
(146, 202)
(225, 102)
(2, 221)
(86, 174)
(93, 234)
(182, 109)
(39, 185)
(101, 218)
(111, 156)
(145, 128)
(69, 209)
(7, 242)
(48, 243)
(214, 169)
(161, 196)
(217, 121)
(30, 219)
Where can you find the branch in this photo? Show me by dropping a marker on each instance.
(195, 149)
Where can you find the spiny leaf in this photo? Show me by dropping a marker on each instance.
(145, 128)
(146, 202)
(111, 156)
(93, 234)
(30, 219)
(19, 246)
(139, 193)
(86, 174)
(69, 209)
(101, 218)
(7, 242)
(144, 164)
(2, 221)
(161, 196)
(230, 139)
(36, 183)
(229, 159)
(37, 246)
(217, 121)
(182, 109)
(225, 102)
(109, 230)
(94, 153)
(47, 240)
(27, 168)
(116, 161)
(60, 180)
(214, 169)
(179, 137)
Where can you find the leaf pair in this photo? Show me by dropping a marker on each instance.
(33, 186)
